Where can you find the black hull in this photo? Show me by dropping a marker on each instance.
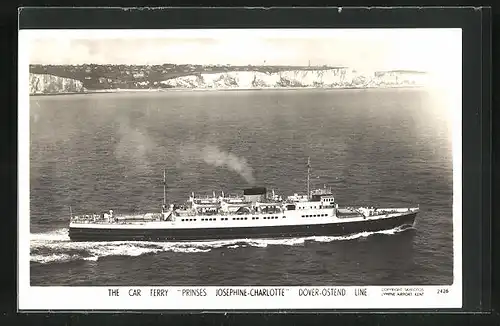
(210, 234)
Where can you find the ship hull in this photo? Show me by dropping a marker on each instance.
(231, 233)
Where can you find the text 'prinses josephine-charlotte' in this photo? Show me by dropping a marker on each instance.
(253, 292)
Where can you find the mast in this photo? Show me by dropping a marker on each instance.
(164, 189)
(70, 214)
(308, 177)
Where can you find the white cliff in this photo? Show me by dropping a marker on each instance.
(50, 84)
(299, 78)
(331, 78)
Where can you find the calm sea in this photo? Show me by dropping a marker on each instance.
(379, 147)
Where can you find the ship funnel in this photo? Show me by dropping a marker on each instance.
(254, 194)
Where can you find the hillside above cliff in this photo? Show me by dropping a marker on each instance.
(84, 78)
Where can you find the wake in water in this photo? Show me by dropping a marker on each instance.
(56, 246)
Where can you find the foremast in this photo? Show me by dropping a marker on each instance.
(164, 189)
(165, 212)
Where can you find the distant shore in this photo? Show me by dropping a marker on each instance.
(156, 90)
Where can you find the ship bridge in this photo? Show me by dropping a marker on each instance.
(322, 195)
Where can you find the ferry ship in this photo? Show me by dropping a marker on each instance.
(253, 214)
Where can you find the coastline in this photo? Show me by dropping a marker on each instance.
(166, 90)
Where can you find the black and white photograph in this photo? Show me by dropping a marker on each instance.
(240, 163)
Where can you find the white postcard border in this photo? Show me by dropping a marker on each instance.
(99, 298)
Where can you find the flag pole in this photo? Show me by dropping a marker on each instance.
(308, 177)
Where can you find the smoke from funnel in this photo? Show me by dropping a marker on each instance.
(212, 155)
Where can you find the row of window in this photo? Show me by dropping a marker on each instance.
(315, 215)
(255, 218)
(234, 218)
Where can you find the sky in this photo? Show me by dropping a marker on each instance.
(430, 50)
